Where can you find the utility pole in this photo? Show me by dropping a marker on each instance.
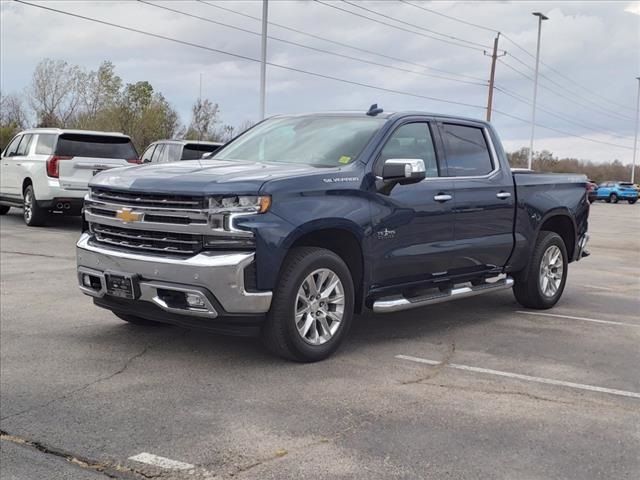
(492, 76)
(635, 140)
(263, 61)
(541, 17)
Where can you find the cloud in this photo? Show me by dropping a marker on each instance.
(595, 46)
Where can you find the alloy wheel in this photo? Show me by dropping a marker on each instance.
(551, 271)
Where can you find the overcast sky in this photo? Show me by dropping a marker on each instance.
(595, 47)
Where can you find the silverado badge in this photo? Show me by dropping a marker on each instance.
(128, 216)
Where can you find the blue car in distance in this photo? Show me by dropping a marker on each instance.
(612, 192)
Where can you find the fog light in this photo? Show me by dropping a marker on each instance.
(195, 300)
(86, 280)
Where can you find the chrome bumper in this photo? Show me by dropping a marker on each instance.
(219, 275)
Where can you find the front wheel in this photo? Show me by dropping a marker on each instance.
(33, 215)
(312, 306)
(613, 198)
(633, 200)
(541, 284)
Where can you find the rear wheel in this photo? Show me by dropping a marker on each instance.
(33, 215)
(613, 198)
(541, 285)
(633, 200)
(312, 306)
(4, 209)
(136, 320)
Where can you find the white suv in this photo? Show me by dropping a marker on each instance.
(47, 170)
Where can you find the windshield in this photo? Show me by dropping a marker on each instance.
(319, 141)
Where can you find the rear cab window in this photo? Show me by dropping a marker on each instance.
(467, 151)
(194, 151)
(95, 146)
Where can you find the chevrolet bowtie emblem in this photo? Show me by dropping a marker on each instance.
(128, 216)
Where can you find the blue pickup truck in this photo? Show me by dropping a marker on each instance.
(305, 220)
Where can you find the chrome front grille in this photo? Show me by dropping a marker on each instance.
(146, 199)
(147, 240)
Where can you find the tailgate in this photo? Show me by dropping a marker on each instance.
(76, 172)
(81, 156)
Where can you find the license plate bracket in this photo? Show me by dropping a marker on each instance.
(122, 285)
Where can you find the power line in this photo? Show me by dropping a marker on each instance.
(346, 45)
(251, 59)
(515, 117)
(572, 81)
(309, 47)
(524, 50)
(413, 25)
(450, 17)
(398, 27)
(594, 108)
(306, 72)
(553, 113)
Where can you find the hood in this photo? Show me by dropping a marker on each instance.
(198, 176)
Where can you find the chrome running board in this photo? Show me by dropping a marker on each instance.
(399, 302)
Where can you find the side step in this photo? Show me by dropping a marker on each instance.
(398, 302)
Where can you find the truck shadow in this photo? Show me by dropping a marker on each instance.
(54, 222)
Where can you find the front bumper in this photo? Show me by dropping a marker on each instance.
(217, 278)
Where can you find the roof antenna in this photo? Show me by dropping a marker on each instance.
(374, 110)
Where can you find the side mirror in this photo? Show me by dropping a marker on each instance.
(403, 170)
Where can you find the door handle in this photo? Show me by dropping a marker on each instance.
(503, 195)
(442, 197)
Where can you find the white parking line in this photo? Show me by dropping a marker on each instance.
(162, 462)
(519, 376)
(598, 287)
(583, 319)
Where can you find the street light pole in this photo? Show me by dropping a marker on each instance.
(541, 17)
(635, 140)
(263, 60)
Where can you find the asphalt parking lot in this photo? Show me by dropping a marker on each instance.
(477, 388)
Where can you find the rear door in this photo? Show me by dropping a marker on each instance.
(413, 224)
(484, 202)
(8, 168)
(81, 156)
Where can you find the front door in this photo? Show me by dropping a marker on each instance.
(10, 162)
(413, 224)
(484, 199)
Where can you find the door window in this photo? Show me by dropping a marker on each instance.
(12, 149)
(467, 151)
(172, 153)
(25, 145)
(148, 153)
(45, 144)
(157, 153)
(412, 140)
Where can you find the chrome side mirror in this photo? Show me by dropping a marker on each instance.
(404, 170)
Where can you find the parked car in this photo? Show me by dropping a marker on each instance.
(304, 220)
(164, 151)
(592, 188)
(46, 170)
(613, 192)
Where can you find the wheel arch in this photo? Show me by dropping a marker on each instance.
(344, 242)
(562, 223)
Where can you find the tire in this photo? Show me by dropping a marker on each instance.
(136, 320)
(529, 284)
(4, 209)
(613, 198)
(33, 215)
(285, 337)
(633, 200)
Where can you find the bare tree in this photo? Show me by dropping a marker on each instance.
(204, 118)
(55, 93)
(99, 89)
(12, 118)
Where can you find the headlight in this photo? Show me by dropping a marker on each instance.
(240, 204)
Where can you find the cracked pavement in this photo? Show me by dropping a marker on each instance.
(81, 391)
